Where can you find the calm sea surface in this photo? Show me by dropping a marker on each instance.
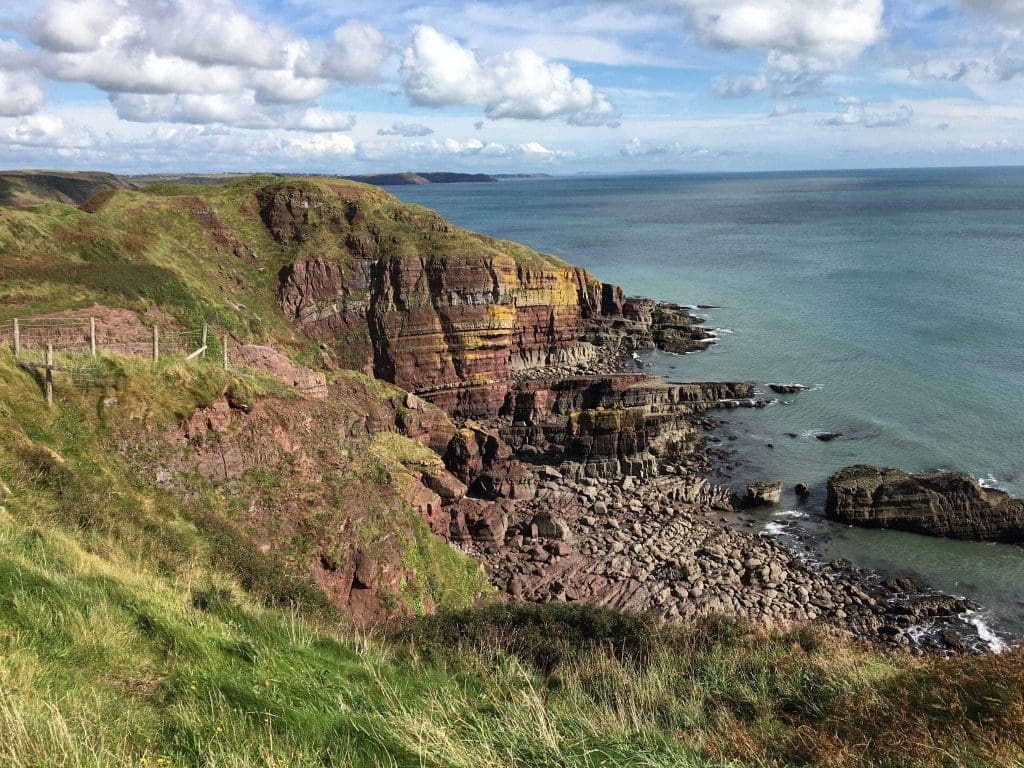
(897, 295)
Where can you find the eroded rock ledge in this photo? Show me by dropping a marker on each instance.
(937, 504)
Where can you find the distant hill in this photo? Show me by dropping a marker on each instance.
(23, 189)
(409, 177)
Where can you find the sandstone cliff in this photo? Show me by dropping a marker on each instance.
(938, 504)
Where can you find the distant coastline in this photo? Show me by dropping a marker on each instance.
(26, 188)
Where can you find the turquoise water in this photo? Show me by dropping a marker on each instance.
(897, 295)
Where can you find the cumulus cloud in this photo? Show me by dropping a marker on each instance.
(814, 35)
(408, 130)
(356, 53)
(871, 118)
(237, 110)
(184, 48)
(438, 71)
(18, 95)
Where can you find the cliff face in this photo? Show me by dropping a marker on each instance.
(938, 504)
(445, 314)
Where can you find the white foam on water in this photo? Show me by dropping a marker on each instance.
(726, 331)
(995, 643)
(774, 529)
(796, 513)
(989, 481)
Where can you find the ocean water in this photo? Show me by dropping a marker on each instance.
(897, 296)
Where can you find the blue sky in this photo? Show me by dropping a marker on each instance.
(527, 85)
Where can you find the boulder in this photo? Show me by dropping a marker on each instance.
(478, 520)
(936, 503)
(547, 526)
(764, 493)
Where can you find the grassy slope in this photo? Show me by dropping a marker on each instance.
(140, 629)
(136, 248)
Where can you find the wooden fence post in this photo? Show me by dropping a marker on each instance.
(206, 331)
(48, 379)
(92, 335)
(156, 343)
(224, 345)
(17, 338)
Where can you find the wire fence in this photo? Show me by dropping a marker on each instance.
(72, 346)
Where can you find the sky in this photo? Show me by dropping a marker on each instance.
(146, 86)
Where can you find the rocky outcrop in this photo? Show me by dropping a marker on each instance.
(937, 503)
(764, 493)
(267, 359)
(606, 426)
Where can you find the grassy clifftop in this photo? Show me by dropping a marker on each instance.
(207, 251)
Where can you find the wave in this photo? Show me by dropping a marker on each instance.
(794, 513)
(775, 529)
(989, 481)
(995, 643)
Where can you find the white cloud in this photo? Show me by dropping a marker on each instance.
(739, 87)
(856, 114)
(437, 71)
(356, 53)
(18, 95)
(318, 145)
(677, 150)
(74, 25)
(201, 31)
(320, 120)
(286, 85)
(812, 35)
(408, 130)
(239, 110)
(46, 131)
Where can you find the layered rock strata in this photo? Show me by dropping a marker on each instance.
(937, 504)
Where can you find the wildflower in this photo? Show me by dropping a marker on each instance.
(218, 729)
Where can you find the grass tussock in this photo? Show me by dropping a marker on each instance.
(735, 693)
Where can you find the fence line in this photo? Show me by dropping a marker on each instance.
(37, 342)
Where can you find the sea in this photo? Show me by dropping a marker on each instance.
(895, 296)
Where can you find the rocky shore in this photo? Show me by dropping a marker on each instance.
(613, 506)
(569, 472)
